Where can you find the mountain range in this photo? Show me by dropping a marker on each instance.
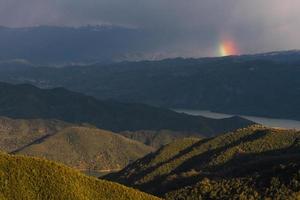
(101, 128)
(247, 84)
(89, 134)
(29, 102)
(60, 45)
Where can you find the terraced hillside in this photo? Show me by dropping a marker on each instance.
(251, 163)
(88, 149)
(32, 178)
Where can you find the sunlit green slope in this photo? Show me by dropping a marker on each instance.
(250, 163)
(88, 148)
(32, 178)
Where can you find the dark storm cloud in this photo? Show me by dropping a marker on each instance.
(184, 27)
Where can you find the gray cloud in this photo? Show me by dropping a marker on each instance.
(181, 27)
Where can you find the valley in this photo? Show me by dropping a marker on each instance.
(220, 84)
(169, 153)
(149, 100)
(29, 102)
(92, 135)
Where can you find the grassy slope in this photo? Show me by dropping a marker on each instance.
(88, 148)
(15, 134)
(32, 178)
(238, 154)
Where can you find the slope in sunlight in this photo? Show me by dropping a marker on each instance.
(32, 178)
(19, 133)
(88, 149)
(250, 163)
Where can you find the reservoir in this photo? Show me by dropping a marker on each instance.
(269, 122)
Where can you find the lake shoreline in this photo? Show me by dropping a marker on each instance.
(266, 121)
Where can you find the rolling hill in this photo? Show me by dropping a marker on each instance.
(32, 178)
(250, 163)
(247, 85)
(29, 102)
(81, 146)
(88, 149)
(18, 133)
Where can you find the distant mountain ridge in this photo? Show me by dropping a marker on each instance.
(289, 56)
(29, 102)
(61, 45)
(260, 85)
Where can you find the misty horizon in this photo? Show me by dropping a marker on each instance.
(175, 28)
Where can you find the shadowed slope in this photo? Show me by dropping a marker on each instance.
(237, 157)
(159, 138)
(29, 102)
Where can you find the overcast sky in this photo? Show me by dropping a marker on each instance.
(188, 27)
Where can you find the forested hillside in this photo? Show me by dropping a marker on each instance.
(251, 163)
(29, 102)
(248, 85)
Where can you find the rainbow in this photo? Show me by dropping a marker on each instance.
(228, 48)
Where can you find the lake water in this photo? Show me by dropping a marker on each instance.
(269, 122)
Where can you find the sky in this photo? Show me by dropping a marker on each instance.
(191, 28)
